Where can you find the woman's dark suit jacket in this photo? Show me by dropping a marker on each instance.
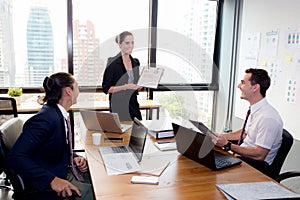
(41, 152)
(123, 102)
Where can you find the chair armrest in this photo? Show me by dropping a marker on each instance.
(286, 175)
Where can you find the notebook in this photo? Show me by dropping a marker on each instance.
(103, 121)
(200, 148)
(125, 158)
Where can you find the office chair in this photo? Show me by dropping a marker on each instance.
(10, 131)
(287, 175)
(295, 175)
(287, 142)
(8, 109)
(274, 169)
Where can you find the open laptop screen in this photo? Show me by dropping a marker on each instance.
(137, 138)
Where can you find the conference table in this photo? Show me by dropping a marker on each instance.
(182, 179)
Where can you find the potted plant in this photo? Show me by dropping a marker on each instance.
(15, 92)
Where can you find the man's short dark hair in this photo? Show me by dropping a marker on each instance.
(261, 77)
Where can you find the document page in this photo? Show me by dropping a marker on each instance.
(256, 190)
(150, 77)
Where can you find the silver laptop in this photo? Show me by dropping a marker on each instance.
(125, 158)
(200, 148)
(103, 121)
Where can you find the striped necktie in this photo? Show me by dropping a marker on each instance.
(70, 140)
(244, 126)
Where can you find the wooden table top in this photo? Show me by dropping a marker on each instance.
(33, 107)
(182, 179)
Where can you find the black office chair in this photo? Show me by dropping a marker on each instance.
(287, 142)
(295, 175)
(274, 169)
(287, 175)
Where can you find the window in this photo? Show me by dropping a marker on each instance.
(182, 47)
(32, 41)
(95, 26)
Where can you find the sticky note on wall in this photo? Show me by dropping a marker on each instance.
(288, 57)
(291, 91)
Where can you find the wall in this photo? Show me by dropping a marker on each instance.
(277, 18)
(264, 42)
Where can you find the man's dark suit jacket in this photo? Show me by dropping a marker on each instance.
(123, 102)
(41, 152)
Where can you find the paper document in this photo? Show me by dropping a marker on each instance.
(153, 165)
(166, 146)
(256, 190)
(150, 77)
(122, 163)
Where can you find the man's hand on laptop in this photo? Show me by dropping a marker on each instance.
(214, 136)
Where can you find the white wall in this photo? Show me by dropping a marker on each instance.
(262, 16)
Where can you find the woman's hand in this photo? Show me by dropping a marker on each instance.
(132, 86)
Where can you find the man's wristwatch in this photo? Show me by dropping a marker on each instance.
(227, 147)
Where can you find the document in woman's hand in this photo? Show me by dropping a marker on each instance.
(150, 77)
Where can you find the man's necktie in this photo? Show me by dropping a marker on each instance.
(243, 129)
(75, 172)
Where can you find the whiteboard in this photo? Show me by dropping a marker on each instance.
(270, 39)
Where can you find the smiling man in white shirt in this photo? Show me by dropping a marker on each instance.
(263, 131)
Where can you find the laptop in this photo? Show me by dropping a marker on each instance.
(200, 148)
(103, 121)
(202, 127)
(125, 158)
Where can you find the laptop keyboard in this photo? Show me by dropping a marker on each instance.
(220, 163)
(119, 149)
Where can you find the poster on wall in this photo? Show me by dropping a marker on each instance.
(292, 38)
(274, 69)
(251, 44)
(291, 91)
(270, 47)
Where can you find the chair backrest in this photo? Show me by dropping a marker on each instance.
(287, 142)
(8, 109)
(10, 131)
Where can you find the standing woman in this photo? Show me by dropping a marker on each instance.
(120, 78)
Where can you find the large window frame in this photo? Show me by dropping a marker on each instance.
(152, 51)
(153, 6)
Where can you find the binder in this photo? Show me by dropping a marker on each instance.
(161, 134)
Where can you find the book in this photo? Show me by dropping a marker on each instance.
(150, 77)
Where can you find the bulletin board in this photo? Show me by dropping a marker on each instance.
(270, 39)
